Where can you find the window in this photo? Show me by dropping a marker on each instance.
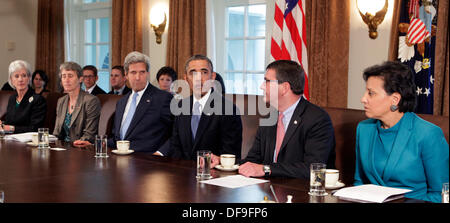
(242, 44)
(88, 31)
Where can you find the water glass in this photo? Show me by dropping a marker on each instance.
(43, 138)
(101, 150)
(445, 193)
(2, 134)
(317, 179)
(204, 164)
(2, 197)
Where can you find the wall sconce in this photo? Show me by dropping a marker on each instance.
(372, 13)
(158, 22)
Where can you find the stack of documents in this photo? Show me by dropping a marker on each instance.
(27, 137)
(370, 193)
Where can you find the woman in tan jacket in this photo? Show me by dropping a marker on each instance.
(77, 113)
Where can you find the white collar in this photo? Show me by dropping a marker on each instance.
(202, 100)
(91, 89)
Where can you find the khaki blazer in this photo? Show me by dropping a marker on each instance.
(85, 117)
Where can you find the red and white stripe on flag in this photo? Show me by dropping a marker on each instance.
(289, 35)
(417, 31)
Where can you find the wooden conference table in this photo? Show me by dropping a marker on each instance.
(28, 174)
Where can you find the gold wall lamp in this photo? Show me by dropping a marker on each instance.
(158, 21)
(372, 13)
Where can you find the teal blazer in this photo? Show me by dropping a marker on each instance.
(418, 161)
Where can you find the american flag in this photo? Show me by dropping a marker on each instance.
(289, 35)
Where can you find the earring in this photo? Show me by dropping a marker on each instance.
(393, 108)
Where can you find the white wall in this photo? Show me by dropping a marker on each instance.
(364, 52)
(18, 25)
(156, 52)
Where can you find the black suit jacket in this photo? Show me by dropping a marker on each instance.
(152, 122)
(124, 92)
(219, 132)
(308, 139)
(97, 90)
(30, 115)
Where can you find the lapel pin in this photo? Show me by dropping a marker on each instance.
(295, 122)
(148, 100)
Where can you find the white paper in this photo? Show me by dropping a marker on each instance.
(370, 193)
(26, 137)
(234, 181)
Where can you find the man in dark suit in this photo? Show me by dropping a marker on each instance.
(303, 133)
(118, 81)
(207, 121)
(90, 78)
(143, 115)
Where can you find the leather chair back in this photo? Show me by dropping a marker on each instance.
(108, 102)
(4, 98)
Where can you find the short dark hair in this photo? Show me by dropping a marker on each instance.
(291, 72)
(167, 71)
(92, 68)
(398, 78)
(119, 67)
(43, 75)
(198, 57)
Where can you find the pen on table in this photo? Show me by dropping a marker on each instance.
(273, 193)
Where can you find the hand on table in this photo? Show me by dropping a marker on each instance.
(215, 160)
(81, 143)
(249, 169)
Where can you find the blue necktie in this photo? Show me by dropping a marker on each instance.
(195, 118)
(129, 117)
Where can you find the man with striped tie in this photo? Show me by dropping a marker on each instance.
(302, 135)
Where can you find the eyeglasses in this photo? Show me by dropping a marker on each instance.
(88, 76)
(266, 81)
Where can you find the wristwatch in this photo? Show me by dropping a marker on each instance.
(266, 169)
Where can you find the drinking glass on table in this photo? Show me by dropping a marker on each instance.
(317, 179)
(204, 164)
(101, 150)
(2, 196)
(43, 142)
(445, 193)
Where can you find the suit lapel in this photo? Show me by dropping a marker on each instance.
(402, 138)
(294, 123)
(77, 108)
(120, 110)
(205, 119)
(373, 135)
(141, 108)
(64, 106)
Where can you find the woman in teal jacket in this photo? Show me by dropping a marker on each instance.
(395, 147)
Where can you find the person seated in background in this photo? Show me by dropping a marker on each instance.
(395, 147)
(78, 112)
(118, 81)
(166, 76)
(39, 80)
(26, 110)
(302, 135)
(90, 79)
(143, 116)
(205, 124)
